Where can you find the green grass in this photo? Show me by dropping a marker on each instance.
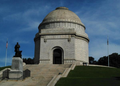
(1, 68)
(91, 76)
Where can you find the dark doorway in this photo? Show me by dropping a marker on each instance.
(57, 56)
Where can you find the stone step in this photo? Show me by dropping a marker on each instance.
(41, 75)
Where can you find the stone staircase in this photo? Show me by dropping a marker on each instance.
(41, 75)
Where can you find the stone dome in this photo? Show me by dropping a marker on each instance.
(62, 14)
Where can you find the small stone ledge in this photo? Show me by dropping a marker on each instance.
(1, 72)
(54, 80)
(64, 74)
(44, 61)
(67, 70)
(73, 66)
(100, 65)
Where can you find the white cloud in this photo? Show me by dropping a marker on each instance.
(101, 22)
(99, 48)
(114, 48)
(29, 18)
(31, 26)
(26, 15)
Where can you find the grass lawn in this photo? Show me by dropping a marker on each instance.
(91, 76)
(1, 68)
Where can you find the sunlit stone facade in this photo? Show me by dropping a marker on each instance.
(61, 39)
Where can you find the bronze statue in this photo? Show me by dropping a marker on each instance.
(17, 52)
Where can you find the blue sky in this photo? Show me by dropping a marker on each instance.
(19, 20)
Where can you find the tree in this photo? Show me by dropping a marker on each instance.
(28, 61)
(114, 60)
(103, 61)
(92, 61)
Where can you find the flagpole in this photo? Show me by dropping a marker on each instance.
(108, 50)
(6, 58)
(6, 53)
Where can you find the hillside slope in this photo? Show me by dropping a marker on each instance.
(91, 76)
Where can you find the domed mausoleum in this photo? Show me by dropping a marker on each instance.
(61, 39)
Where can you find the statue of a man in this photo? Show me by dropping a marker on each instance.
(17, 52)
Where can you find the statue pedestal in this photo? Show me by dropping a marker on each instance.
(16, 68)
(15, 74)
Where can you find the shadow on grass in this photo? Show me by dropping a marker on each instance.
(117, 78)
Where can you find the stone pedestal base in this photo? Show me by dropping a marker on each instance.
(16, 68)
(15, 74)
(17, 64)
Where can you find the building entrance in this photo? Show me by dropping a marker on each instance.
(57, 56)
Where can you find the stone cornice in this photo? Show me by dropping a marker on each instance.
(63, 33)
(81, 37)
(72, 33)
(60, 22)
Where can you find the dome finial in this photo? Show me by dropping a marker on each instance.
(64, 8)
